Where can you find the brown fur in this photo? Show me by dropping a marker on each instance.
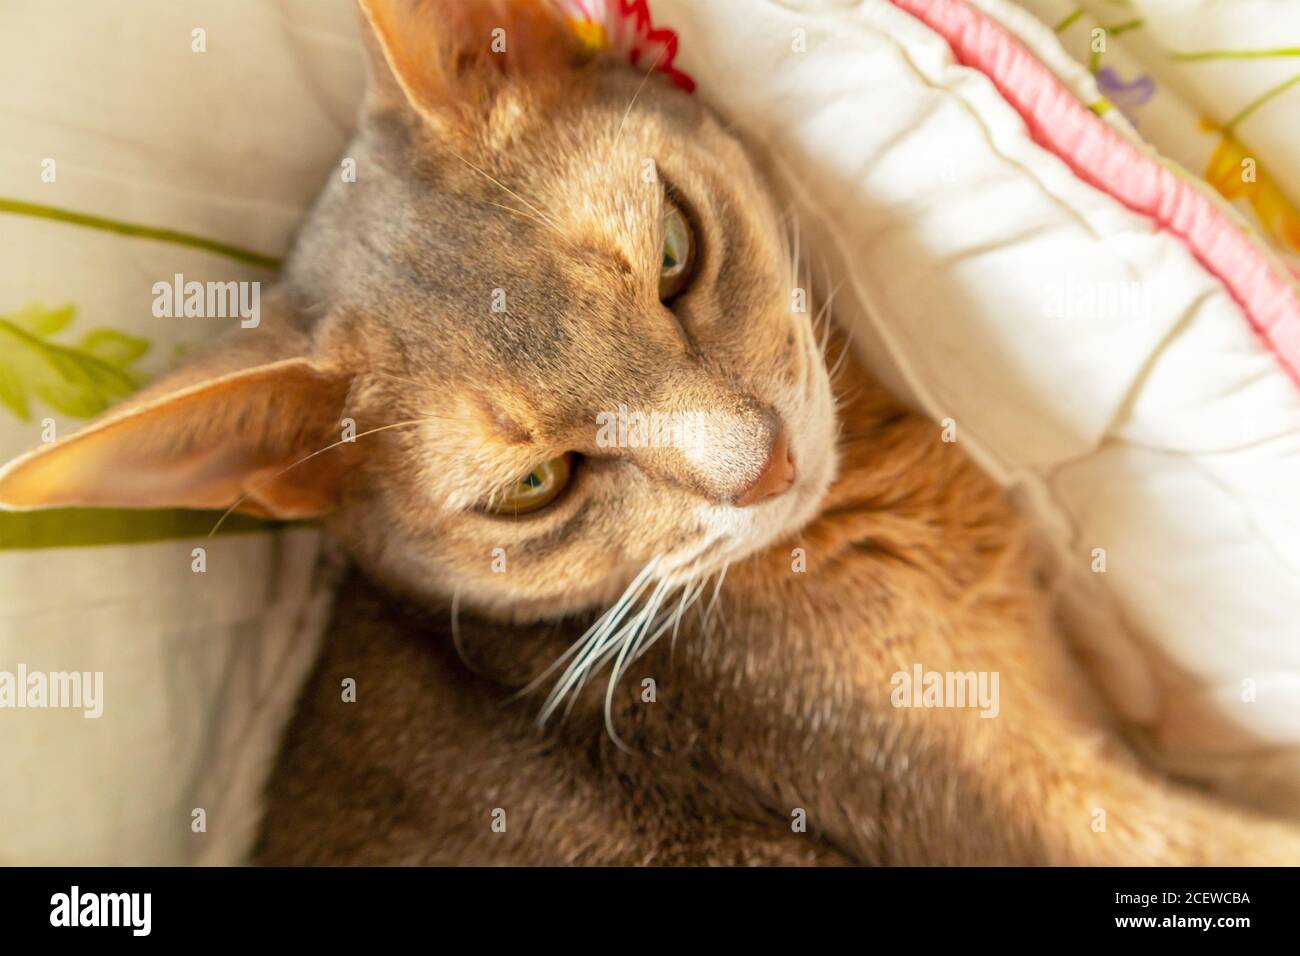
(526, 176)
(781, 703)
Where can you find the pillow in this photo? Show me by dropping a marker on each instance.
(190, 145)
(1209, 84)
(1098, 329)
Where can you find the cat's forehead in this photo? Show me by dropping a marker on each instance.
(597, 164)
(523, 258)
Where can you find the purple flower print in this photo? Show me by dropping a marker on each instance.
(1127, 96)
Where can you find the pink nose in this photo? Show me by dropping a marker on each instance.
(777, 475)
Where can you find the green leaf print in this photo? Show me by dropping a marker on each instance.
(76, 380)
(113, 347)
(43, 322)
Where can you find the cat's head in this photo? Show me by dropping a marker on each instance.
(548, 266)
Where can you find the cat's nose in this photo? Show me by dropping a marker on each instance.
(777, 475)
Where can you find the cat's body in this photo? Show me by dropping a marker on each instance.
(434, 764)
(772, 737)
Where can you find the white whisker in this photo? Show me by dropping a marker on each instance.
(689, 596)
(632, 102)
(573, 649)
(617, 641)
(798, 247)
(645, 618)
(541, 216)
(306, 458)
(598, 637)
(844, 352)
(717, 588)
(647, 610)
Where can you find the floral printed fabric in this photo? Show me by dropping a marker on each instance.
(629, 27)
(126, 163)
(1214, 86)
(1049, 91)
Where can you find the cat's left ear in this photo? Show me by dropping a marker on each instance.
(435, 51)
(227, 428)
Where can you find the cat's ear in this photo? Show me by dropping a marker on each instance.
(219, 430)
(434, 50)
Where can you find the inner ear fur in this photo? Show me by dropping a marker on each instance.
(433, 50)
(208, 436)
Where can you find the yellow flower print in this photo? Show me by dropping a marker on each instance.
(1235, 174)
(591, 33)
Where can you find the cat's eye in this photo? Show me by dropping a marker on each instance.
(678, 252)
(535, 490)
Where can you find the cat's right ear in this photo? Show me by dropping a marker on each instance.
(232, 428)
(436, 54)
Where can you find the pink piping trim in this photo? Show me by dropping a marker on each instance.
(1104, 159)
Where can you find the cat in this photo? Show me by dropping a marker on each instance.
(539, 237)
